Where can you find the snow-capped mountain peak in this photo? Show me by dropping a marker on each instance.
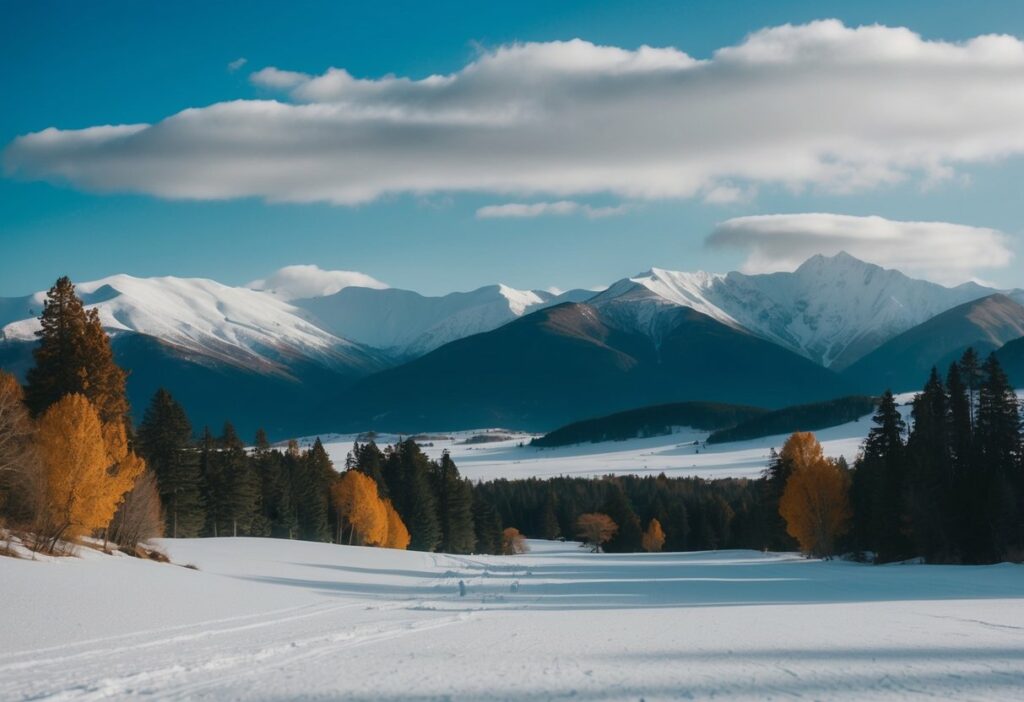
(197, 315)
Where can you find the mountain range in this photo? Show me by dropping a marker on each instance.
(377, 357)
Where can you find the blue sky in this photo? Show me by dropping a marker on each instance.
(77, 65)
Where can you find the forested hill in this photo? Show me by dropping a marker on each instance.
(655, 420)
(812, 417)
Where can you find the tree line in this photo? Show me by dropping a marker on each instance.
(948, 486)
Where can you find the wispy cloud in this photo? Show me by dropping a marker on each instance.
(545, 209)
(237, 64)
(940, 251)
(818, 105)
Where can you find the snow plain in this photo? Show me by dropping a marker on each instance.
(680, 454)
(274, 620)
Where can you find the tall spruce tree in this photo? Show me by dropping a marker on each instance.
(930, 489)
(74, 356)
(60, 357)
(997, 434)
(878, 485)
(240, 483)
(454, 507)
(316, 521)
(487, 527)
(407, 473)
(165, 442)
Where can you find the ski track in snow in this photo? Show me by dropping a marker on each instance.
(275, 620)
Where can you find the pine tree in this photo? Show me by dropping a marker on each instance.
(773, 484)
(407, 471)
(629, 536)
(970, 372)
(369, 460)
(60, 355)
(997, 433)
(164, 440)
(930, 483)
(454, 507)
(105, 380)
(487, 527)
(879, 481)
(240, 483)
(549, 517)
(320, 475)
(74, 356)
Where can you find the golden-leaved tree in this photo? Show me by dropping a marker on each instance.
(815, 502)
(595, 529)
(398, 535)
(358, 503)
(654, 537)
(88, 468)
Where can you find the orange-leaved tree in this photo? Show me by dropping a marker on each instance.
(398, 534)
(654, 537)
(81, 492)
(595, 529)
(358, 503)
(512, 542)
(815, 502)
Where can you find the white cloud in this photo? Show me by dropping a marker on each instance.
(295, 282)
(940, 251)
(541, 209)
(819, 105)
(277, 79)
(237, 63)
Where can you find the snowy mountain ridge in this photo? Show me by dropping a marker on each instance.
(230, 324)
(832, 309)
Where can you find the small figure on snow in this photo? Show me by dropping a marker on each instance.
(462, 588)
(515, 586)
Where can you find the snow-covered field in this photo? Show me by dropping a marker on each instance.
(677, 455)
(276, 620)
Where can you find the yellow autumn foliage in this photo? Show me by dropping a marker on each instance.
(398, 535)
(358, 502)
(88, 467)
(654, 537)
(815, 502)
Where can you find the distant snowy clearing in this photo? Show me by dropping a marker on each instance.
(679, 454)
(274, 620)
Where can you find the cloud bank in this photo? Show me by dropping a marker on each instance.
(296, 282)
(518, 210)
(818, 105)
(939, 251)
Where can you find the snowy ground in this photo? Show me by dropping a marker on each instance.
(276, 620)
(677, 455)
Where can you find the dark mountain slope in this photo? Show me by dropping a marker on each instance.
(903, 363)
(567, 362)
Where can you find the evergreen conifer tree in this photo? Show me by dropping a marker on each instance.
(165, 441)
(879, 483)
(316, 520)
(930, 480)
(454, 507)
(629, 537)
(487, 525)
(74, 356)
(997, 434)
(407, 470)
(60, 355)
